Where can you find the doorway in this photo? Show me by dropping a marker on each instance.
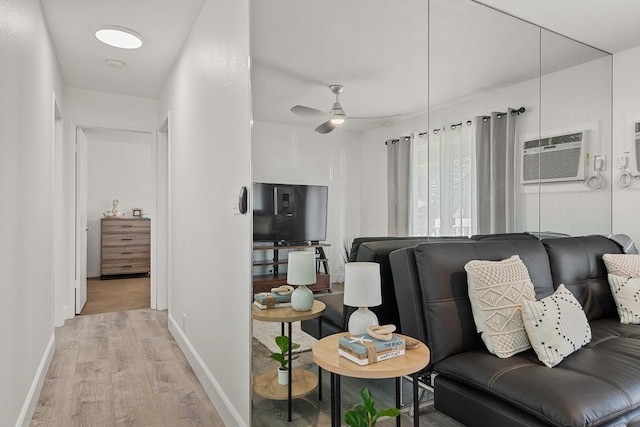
(115, 193)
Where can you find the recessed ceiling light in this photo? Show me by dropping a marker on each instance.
(114, 63)
(120, 37)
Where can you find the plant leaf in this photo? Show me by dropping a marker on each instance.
(389, 412)
(280, 359)
(367, 401)
(354, 420)
(357, 417)
(282, 341)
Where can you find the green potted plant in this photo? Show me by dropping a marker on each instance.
(282, 341)
(365, 415)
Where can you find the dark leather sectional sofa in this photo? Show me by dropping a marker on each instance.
(377, 249)
(599, 385)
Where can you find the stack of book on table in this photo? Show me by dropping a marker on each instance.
(364, 349)
(265, 300)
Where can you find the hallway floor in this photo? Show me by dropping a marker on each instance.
(121, 369)
(105, 296)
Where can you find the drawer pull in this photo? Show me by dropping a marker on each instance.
(126, 266)
(126, 253)
(125, 239)
(127, 226)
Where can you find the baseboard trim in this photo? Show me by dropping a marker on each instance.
(24, 420)
(225, 408)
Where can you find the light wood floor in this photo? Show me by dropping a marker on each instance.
(121, 369)
(105, 296)
(125, 369)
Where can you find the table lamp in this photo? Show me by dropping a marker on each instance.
(362, 290)
(301, 271)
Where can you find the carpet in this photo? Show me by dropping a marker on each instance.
(265, 333)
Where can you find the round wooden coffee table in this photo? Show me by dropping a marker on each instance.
(325, 355)
(301, 382)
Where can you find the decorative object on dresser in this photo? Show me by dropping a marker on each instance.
(301, 271)
(362, 289)
(125, 247)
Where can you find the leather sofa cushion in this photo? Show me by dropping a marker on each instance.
(355, 245)
(590, 387)
(577, 263)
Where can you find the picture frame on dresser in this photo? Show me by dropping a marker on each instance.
(137, 212)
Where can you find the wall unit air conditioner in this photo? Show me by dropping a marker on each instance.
(634, 164)
(557, 158)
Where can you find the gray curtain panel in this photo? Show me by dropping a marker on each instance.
(495, 148)
(398, 185)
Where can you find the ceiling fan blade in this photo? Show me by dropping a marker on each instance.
(326, 127)
(302, 111)
(375, 117)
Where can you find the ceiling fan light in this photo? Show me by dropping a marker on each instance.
(337, 119)
(119, 37)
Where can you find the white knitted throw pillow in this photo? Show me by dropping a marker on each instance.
(625, 265)
(496, 291)
(556, 326)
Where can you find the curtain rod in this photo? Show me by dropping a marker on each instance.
(514, 111)
(393, 141)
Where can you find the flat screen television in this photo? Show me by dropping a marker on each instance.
(289, 213)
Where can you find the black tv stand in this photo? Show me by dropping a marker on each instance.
(264, 282)
(283, 243)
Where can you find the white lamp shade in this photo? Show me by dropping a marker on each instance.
(301, 268)
(362, 284)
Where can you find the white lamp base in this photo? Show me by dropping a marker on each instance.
(302, 299)
(360, 320)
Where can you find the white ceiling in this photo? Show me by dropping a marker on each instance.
(610, 25)
(376, 48)
(163, 24)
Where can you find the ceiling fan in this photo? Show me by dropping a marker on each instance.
(336, 115)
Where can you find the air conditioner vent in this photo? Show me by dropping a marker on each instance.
(554, 159)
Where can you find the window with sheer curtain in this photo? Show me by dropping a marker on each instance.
(443, 183)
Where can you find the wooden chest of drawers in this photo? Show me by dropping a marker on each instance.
(125, 246)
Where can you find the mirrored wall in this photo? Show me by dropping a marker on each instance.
(511, 123)
(536, 108)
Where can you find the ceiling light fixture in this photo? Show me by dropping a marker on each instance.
(338, 119)
(119, 37)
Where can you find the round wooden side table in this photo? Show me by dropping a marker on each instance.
(301, 382)
(325, 354)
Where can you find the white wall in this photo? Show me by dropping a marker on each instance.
(116, 170)
(299, 155)
(87, 108)
(29, 76)
(208, 98)
(626, 108)
(562, 109)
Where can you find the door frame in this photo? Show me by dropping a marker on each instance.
(158, 231)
